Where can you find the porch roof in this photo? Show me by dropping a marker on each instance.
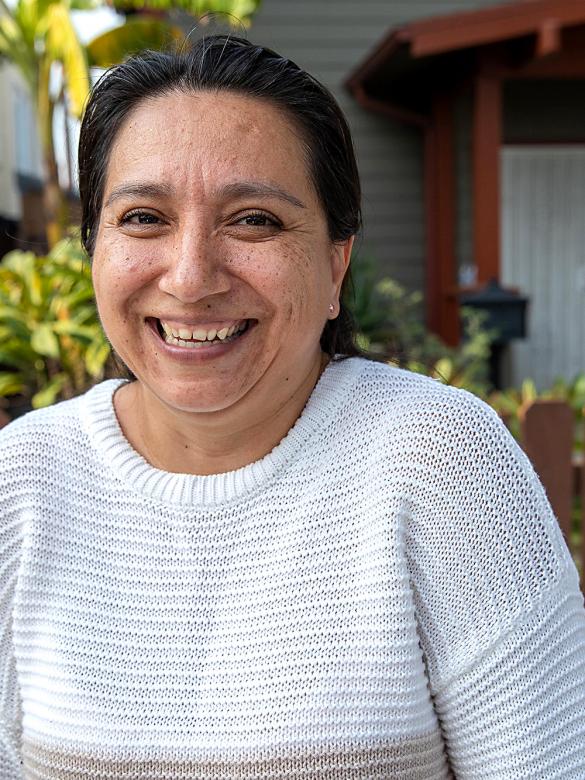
(410, 61)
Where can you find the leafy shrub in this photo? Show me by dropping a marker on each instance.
(391, 324)
(510, 403)
(51, 344)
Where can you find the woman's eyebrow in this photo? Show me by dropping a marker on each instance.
(240, 189)
(245, 189)
(138, 190)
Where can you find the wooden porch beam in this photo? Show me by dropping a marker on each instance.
(549, 38)
(440, 197)
(484, 26)
(487, 136)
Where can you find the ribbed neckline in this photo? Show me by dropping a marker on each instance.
(101, 424)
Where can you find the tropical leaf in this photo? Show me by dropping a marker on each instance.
(48, 395)
(444, 370)
(20, 263)
(64, 46)
(84, 5)
(137, 34)
(84, 315)
(28, 14)
(237, 12)
(17, 354)
(62, 326)
(528, 391)
(44, 341)
(70, 328)
(96, 357)
(11, 316)
(10, 383)
(14, 47)
(73, 299)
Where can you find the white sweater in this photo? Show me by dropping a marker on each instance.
(385, 595)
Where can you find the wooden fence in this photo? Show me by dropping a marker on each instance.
(548, 438)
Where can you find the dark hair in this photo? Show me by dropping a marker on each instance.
(224, 62)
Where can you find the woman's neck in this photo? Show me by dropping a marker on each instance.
(214, 442)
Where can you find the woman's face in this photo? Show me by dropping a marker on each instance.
(213, 268)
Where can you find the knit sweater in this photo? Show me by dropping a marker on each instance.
(386, 594)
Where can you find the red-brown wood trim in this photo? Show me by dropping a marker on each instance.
(432, 277)
(547, 435)
(481, 27)
(487, 138)
(440, 197)
(387, 109)
(503, 13)
(549, 38)
(381, 54)
(564, 65)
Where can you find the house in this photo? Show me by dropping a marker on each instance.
(21, 169)
(469, 123)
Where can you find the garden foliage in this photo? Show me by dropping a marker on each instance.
(391, 325)
(51, 344)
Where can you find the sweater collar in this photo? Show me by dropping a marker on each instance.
(101, 424)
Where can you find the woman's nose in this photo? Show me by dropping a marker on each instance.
(195, 268)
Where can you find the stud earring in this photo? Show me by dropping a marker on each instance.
(331, 308)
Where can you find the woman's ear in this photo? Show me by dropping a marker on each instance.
(340, 257)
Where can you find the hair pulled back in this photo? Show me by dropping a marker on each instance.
(224, 62)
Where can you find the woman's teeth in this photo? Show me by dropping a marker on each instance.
(199, 337)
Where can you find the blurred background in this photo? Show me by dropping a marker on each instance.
(468, 118)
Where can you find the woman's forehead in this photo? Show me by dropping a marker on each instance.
(206, 140)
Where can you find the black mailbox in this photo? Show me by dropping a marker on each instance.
(505, 309)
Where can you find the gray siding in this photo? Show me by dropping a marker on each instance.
(329, 38)
(543, 234)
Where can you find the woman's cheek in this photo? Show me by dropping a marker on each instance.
(118, 273)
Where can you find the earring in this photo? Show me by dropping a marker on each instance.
(331, 308)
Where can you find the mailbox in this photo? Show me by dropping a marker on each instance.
(505, 310)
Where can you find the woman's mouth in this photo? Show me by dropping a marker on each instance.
(197, 337)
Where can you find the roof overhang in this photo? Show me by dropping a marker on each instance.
(401, 73)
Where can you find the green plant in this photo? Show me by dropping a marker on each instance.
(40, 39)
(51, 344)
(391, 323)
(510, 403)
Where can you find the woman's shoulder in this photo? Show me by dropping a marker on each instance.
(44, 433)
(417, 398)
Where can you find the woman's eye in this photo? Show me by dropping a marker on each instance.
(258, 220)
(140, 218)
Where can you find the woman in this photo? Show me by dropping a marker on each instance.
(259, 559)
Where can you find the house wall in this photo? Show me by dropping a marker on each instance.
(10, 206)
(543, 234)
(329, 38)
(20, 163)
(534, 112)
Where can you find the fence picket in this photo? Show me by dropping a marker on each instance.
(547, 432)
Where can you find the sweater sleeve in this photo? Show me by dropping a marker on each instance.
(10, 546)
(499, 610)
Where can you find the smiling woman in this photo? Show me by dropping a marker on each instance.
(236, 242)
(266, 556)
